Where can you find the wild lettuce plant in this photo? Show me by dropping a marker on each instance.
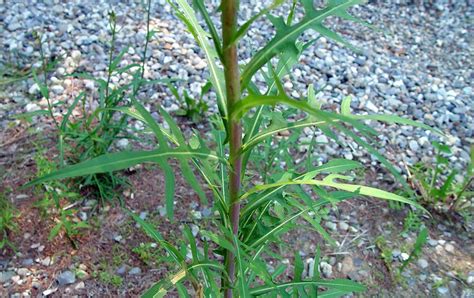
(253, 210)
(92, 131)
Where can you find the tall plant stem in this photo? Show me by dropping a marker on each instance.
(44, 67)
(113, 28)
(148, 37)
(232, 81)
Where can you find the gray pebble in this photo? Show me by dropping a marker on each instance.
(449, 248)
(121, 270)
(6, 276)
(330, 225)
(422, 263)
(66, 278)
(135, 271)
(413, 145)
(343, 226)
(326, 269)
(322, 139)
(143, 215)
(443, 291)
(27, 262)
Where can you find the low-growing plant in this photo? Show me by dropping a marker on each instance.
(147, 253)
(412, 221)
(254, 208)
(437, 183)
(195, 109)
(119, 255)
(385, 252)
(56, 201)
(8, 213)
(70, 224)
(421, 240)
(109, 278)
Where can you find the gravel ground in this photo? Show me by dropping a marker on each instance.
(418, 65)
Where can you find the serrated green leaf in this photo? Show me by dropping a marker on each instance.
(242, 285)
(329, 181)
(284, 224)
(287, 35)
(340, 284)
(118, 161)
(333, 166)
(253, 100)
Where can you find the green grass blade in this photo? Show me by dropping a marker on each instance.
(421, 240)
(156, 236)
(132, 112)
(169, 186)
(191, 179)
(346, 106)
(28, 115)
(398, 120)
(258, 138)
(192, 243)
(156, 291)
(298, 267)
(149, 230)
(221, 241)
(187, 171)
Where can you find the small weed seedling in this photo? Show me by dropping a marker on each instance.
(254, 208)
(55, 201)
(147, 253)
(421, 240)
(192, 108)
(8, 213)
(111, 279)
(438, 187)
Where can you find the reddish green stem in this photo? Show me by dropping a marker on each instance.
(232, 81)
